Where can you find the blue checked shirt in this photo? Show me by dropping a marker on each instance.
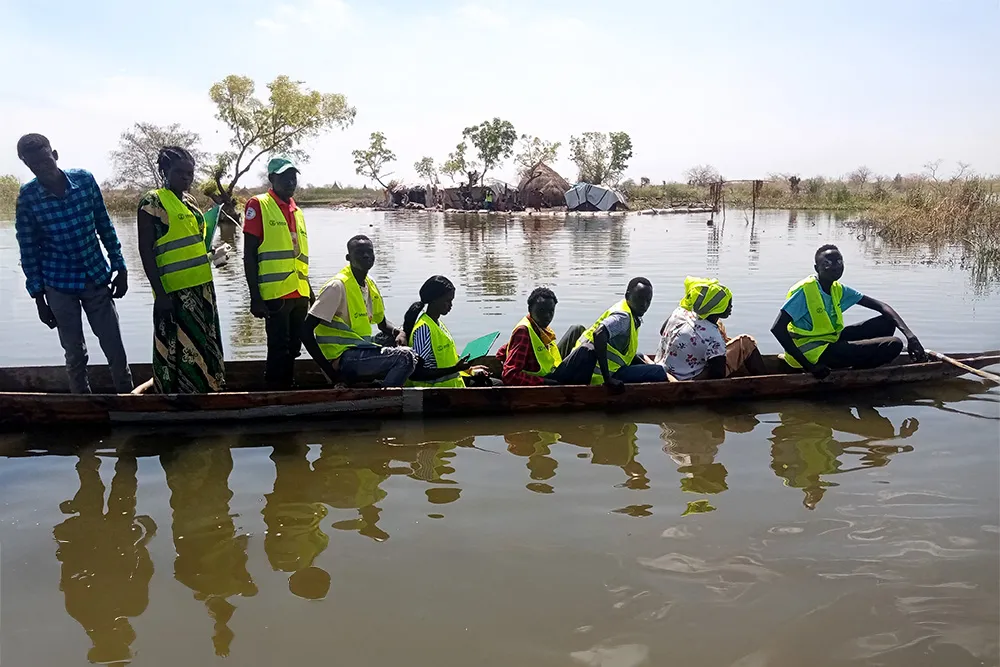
(59, 236)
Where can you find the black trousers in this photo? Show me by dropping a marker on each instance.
(284, 340)
(866, 345)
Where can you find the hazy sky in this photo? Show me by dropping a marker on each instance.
(750, 87)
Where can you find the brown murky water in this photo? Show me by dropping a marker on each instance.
(857, 531)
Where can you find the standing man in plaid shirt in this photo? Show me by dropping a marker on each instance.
(61, 221)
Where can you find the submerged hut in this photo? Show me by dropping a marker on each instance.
(587, 197)
(542, 187)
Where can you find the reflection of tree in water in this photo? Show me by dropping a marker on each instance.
(386, 250)
(599, 243)
(478, 251)
(540, 264)
(793, 219)
(804, 449)
(693, 439)
(106, 566)
(211, 557)
(496, 276)
(293, 514)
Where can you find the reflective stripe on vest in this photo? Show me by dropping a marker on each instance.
(616, 358)
(180, 253)
(445, 352)
(547, 357)
(813, 342)
(281, 269)
(335, 337)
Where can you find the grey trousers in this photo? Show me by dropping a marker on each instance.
(97, 303)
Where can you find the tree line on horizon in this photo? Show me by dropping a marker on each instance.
(291, 114)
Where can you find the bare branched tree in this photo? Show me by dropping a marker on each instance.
(134, 161)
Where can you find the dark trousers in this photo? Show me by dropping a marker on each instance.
(284, 340)
(96, 302)
(866, 345)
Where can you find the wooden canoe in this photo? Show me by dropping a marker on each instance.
(34, 397)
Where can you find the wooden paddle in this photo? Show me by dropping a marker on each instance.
(954, 362)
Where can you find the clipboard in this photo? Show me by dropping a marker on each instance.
(480, 347)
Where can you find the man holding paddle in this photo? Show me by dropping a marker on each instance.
(810, 326)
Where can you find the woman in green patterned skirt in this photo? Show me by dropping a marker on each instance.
(187, 338)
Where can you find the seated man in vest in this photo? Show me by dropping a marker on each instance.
(606, 352)
(531, 354)
(810, 326)
(338, 328)
(276, 263)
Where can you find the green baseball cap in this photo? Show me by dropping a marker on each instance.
(279, 165)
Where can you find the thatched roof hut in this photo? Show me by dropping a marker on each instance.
(542, 187)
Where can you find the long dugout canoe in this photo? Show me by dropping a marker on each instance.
(35, 397)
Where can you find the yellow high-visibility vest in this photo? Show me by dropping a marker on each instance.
(180, 253)
(548, 356)
(281, 269)
(338, 336)
(445, 352)
(616, 358)
(812, 342)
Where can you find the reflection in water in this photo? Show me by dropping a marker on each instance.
(211, 557)
(803, 446)
(351, 478)
(106, 566)
(793, 219)
(712, 251)
(612, 444)
(536, 447)
(294, 538)
(692, 440)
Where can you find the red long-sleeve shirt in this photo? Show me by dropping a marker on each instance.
(518, 356)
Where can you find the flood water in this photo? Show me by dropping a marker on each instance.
(860, 530)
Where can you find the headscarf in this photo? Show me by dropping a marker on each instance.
(705, 296)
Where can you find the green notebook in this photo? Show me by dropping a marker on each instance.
(480, 347)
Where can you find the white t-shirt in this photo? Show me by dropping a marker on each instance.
(687, 343)
(332, 301)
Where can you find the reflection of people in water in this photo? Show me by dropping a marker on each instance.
(692, 439)
(611, 445)
(106, 566)
(535, 446)
(803, 447)
(351, 478)
(292, 514)
(211, 558)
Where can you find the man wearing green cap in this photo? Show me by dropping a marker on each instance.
(694, 345)
(276, 262)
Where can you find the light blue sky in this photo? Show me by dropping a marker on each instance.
(750, 87)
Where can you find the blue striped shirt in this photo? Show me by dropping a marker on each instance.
(422, 346)
(60, 237)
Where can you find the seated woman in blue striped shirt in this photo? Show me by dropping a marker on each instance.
(430, 338)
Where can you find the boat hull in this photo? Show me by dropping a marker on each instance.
(32, 398)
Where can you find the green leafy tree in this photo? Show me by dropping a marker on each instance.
(427, 170)
(601, 158)
(532, 151)
(457, 164)
(10, 186)
(371, 162)
(493, 141)
(134, 161)
(290, 115)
